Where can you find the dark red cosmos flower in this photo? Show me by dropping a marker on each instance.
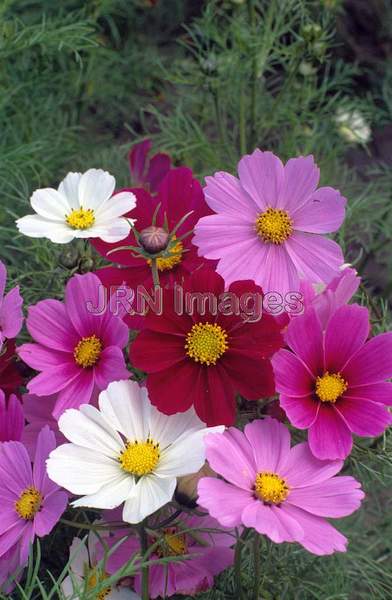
(178, 194)
(206, 358)
(147, 172)
(10, 377)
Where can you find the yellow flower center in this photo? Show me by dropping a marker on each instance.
(29, 503)
(206, 343)
(88, 351)
(93, 580)
(80, 218)
(274, 226)
(173, 543)
(174, 258)
(271, 488)
(330, 387)
(140, 458)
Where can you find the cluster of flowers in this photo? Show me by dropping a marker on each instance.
(87, 434)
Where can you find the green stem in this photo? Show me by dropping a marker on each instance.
(155, 275)
(145, 568)
(256, 564)
(253, 91)
(237, 564)
(242, 121)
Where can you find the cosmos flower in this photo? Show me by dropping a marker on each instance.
(147, 172)
(334, 383)
(269, 223)
(284, 493)
(76, 349)
(31, 504)
(82, 207)
(11, 418)
(86, 573)
(209, 553)
(38, 412)
(11, 314)
(353, 126)
(207, 357)
(126, 452)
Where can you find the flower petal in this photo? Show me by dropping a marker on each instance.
(223, 501)
(95, 187)
(323, 213)
(262, 177)
(149, 494)
(347, 331)
(270, 441)
(302, 469)
(336, 497)
(224, 194)
(234, 462)
(373, 363)
(329, 437)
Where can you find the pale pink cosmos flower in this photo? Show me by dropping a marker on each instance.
(270, 223)
(78, 345)
(332, 381)
(284, 493)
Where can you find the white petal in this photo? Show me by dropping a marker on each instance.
(78, 556)
(69, 188)
(111, 231)
(167, 429)
(185, 456)
(110, 495)
(37, 227)
(95, 187)
(86, 427)
(81, 470)
(149, 494)
(69, 589)
(122, 593)
(126, 408)
(50, 204)
(116, 206)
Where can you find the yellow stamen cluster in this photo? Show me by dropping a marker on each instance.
(29, 503)
(140, 458)
(81, 218)
(88, 351)
(93, 580)
(173, 543)
(206, 343)
(330, 386)
(270, 488)
(174, 258)
(274, 226)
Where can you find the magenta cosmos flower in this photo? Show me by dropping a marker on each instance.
(31, 504)
(284, 493)
(77, 350)
(209, 553)
(11, 315)
(269, 223)
(147, 172)
(333, 382)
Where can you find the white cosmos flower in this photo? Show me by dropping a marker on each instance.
(353, 126)
(127, 451)
(85, 574)
(82, 207)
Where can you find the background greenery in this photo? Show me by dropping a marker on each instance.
(81, 81)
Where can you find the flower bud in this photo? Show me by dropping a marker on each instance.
(154, 239)
(186, 492)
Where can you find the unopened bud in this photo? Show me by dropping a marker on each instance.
(186, 492)
(154, 239)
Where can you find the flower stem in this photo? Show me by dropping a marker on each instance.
(256, 565)
(145, 569)
(237, 564)
(155, 275)
(253, 92)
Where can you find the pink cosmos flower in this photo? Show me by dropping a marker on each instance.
(11, 418)
(284, 493)
(38, 412)
(147, 172)
(31, 504)
(333, 382)
(10, 570)
(210, 550)
(269, 223)
(11, 315)
(78, 349)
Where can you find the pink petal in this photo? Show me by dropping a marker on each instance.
(329, 437)
(301, 177)
(51, 511)
(11, 418)
(110, 367)
(347, 331)
(337, 497)
(305, 337)
(223, 501)
(301, 412)
(41, 358)
(262, 177)
(218, 235)
(320, 537)
(49, 325)
(277, 272)
(273, 522)
(46, 442)
(53, 380)
(77, 392)
(243, 261)
(364, 417)
(292, 377)
(270, 441)
(224, 194)
(302, 469)
(3, 278)
(11, 315)
(10, 537)
(235, 463)
(373, 363)
(82, 297)
(377, 392)
(316, 258)
(15, 467)
(323, 213)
